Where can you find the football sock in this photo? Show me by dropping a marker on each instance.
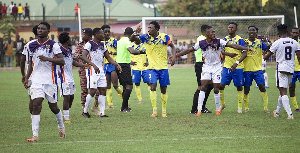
(35, 119)
(217, 101)
(246, 101)
(66, 114)
(164, 100)
(87, 103)
(200, 100)
(153, 99)
(109, 97)
(59, 119)
(119, 91)
(265, 98)
(195, 100)
(279, 105)
(101, 101)
(286, 104)
(294, 102)
(138, 93)
(222, 97)
(240, 98)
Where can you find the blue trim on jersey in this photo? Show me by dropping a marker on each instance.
(264, 46)
(236, 75)
(159, 75)
(242, 42)
(296, 76)
(258, 76)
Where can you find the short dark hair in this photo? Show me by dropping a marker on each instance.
(282, 28)
(204, 27)
(63, 37)
(253, 26)
(128, 31)
(96, 30)
(234, 23)
(156, 25)
(105, 26)
(46, 24)
(34, 29)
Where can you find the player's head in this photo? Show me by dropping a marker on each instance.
(295, 33)
(43, 29)
(98, 34)
(153, 28)
(232, 28)
(34, 30)
(87, 34)
(64, 39)
(135, 38)
(203, 28)
(252, 31)
(128, 31)
(106, 30)
(282, 29)
(210, 32)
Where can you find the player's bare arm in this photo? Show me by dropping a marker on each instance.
(29, 71)
(83, 56)
(232, 55)
(112, 61)
(22, 66)
(267, 55)
(173, 53)
(298, 55)
(58, 59)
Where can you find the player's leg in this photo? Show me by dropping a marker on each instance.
(283, 82)
(136, 79)
(102, 101)
(248, 77)
(164, 81)
(35, 117)
(92, 88)
(216, 79)
(266, 79)
(66, 106)
(209, 88)
(292, 91)
(125, 79)
(238, 80)
(115, 82)
(201, 96)
(109, 91)
(83, 85)
(260, 81)
(225, 80)
(198, 71)
(153, 96)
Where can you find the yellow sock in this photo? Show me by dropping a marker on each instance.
(153, 99)
(109, 97)
(138, 93)
(240, 98)
(265, 98)
(164, 100)
(294, 102)
(119, 91)
(222, 97)
(246, 101)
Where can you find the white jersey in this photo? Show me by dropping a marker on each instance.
(211, 51)
(264, 65)
(285, 49)
(66, 73)
(96, 51)
(44, 72)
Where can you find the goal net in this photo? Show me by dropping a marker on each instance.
(187, 29)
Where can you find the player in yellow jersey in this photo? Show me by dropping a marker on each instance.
(253, 67)
(139, 65)
(233, 67)
(156, 44)
(110, 69)
(296, 75)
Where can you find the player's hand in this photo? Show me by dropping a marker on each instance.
(233, 67)
(132, 63)
(172, 59)
(23, 79)
(97, 70)
(119, 68)
(26, 83)
(146, 64)
(43, 58)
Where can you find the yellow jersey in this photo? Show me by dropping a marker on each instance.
(156, 50)
(253, 61)
(297, 65)
(228, 60)
(111, 46)
(140, 59)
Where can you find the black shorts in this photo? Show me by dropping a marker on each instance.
(125, 77)
(198, 71)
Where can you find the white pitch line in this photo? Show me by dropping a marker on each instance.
(143, 140)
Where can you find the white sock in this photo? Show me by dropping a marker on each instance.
(88, 100)
(35, 119)
(102, 101)
(200, 100)
(217, 101)
(66, 114)
(286, 104)
(60, 120)
(279, 105)
(266, 79)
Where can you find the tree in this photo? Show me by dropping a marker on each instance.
(7, 28)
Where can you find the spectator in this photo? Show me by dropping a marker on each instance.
(19, 45)
(184, 57)
(10, 7)
(4, 10)
(2, 52)
(9, 53)
(76, 10)
(20, 11)
(15, 11)
(27, 12)
(1, 9)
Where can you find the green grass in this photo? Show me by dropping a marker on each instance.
(136, 131)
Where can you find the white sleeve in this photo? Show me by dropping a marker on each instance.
(298, 46)
(56, 49)
(196, 46)
(88, 46)
(223, 43)
(25, 50)
(274, 47)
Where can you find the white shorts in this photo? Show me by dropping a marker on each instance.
(95, 81)
(211, 72)
(283, 80)
(46, 91)
(67, 88)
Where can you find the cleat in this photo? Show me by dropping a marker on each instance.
(240, 111)
(61, 133)
(198, 114)
(290, 117)
(223, 107)
(126, 110)
(246, 110)
(154, 114)
(86, 115)
(101, 115)
(266, 110)
(297, 110)
(32, 139)
(164, 114)
(205, 110)
(110, 106)
(193, 112)
(67, 121)
(275, 114)
(218, 112)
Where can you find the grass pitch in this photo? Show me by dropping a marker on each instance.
(254, 131)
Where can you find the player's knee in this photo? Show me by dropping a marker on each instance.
(137, 84)
(216, 90)
(53, 107)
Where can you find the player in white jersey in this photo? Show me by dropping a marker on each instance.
(264, 68)
(96, 78)
(285, 49)
(67, 85)
(212, 49)
(44, 54)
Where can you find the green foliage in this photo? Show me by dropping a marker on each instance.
(7, 28)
